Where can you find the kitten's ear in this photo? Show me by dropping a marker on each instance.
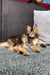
(35, 29)
(28, 28)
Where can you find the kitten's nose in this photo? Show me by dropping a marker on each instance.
(31, 33)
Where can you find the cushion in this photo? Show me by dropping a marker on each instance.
(42, 19)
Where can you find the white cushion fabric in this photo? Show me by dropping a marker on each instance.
(42, 19)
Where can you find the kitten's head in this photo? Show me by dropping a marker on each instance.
(32, 31)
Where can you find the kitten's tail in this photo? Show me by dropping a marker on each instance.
(4, 44)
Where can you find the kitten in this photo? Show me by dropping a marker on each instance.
(26, 40)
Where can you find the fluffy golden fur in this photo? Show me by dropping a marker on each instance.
(29, 40)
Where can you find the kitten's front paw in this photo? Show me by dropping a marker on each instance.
(38, 50)
(26, 53)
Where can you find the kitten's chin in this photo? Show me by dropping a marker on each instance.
(32, 36)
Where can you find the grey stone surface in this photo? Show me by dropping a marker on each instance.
(12, 63)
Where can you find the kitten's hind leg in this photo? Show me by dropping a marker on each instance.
(11, 48)
(21, 50)
(42, 44)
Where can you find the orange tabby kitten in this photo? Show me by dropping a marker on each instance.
(26, 40)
